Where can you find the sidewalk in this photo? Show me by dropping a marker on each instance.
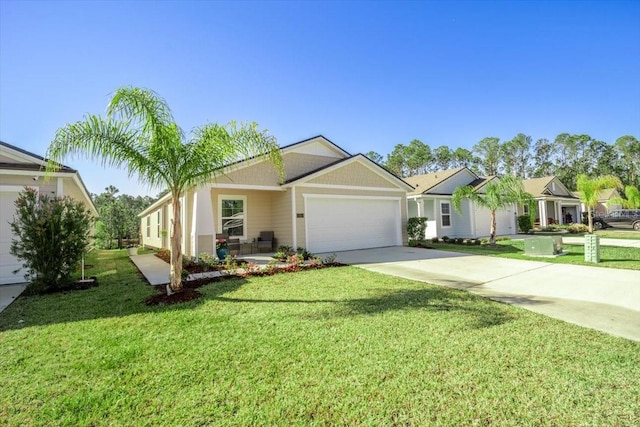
(8, 294)
(571, 239)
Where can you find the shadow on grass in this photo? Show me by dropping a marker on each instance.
(108, 300)
(433, 299)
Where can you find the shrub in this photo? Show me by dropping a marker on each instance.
(459, 240)
(445, 239)
(329, 259)
(477, 242)
(577, 228)
(305, 254)
(288, 250)
(416, 228)
(524, 223)
(413, 243)
(502, 238)
(52, 234)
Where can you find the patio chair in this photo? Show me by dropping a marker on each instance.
(265, 241)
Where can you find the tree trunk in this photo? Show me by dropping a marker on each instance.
(492, 237)
(175, 275)
(590, 219)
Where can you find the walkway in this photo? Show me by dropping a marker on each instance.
(8, 294)
(600, 298)
(571, 239)
(156, 271)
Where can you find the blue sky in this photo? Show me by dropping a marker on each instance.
(367, 75)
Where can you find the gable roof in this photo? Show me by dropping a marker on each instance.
(541, 187)
(603, 195)
(424, 183)
(30, 161)
(343, 162)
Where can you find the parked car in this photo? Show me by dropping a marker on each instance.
(624, 218)
(598, 222)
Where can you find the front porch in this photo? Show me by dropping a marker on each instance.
(557, 212)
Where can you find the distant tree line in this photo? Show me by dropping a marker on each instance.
(565, 157)
(118, 221)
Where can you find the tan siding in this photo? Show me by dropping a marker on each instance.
(257, 210)
(205, 244)
(299, 164)
(281, 218)
(263, 173)
(154, 240)
(354, 174)
(300, 191)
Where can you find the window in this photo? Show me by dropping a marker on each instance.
(149, 226)
(525, 209)
(233, 215)
(445, 214)
(158, 226)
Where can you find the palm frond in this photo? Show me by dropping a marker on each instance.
(114, 143)
(142, 107)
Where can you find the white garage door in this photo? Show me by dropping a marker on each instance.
(505, 222)
(342, 223)
(8, 263)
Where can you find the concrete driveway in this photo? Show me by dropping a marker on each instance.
(600, 298)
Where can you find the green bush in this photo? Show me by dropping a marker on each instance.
(459, 240)
(416, 228)
(52, 234)
(524, 223)
(435, 240)
(577, 228)
(445, 239)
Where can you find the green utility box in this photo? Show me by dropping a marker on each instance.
(543, 246)
(591, 248)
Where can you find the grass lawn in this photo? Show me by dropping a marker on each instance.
(619, 234)
(339, 346)
(610, 256)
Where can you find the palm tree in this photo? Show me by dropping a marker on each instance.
(589, 188)
(139, 134)
(499, 194)
(632, 200)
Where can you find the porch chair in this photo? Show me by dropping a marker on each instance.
(265, 241)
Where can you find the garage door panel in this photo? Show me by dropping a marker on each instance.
(8, 263)
(335, 224)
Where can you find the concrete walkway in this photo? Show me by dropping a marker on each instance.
(600, 298)
(156, 271)
(571, 239)
(9, 293)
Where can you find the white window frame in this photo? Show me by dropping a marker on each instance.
(148, 226)
(222, 197)
(442, 214)
(525, 209)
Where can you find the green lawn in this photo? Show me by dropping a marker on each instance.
(610, 256)
(339, 346)
(619, 234)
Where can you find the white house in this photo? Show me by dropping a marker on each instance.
(432, 197)
(20, 169)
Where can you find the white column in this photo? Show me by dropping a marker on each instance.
(420, 208)
(294, 218)
(194, 225)
(59, 187)
(542, 205)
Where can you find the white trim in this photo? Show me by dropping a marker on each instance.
(73, 175)
(351, 187)
(59, 187)
(248, 187)
(158, 203)
(245, 214)
(450, 215)
(294, 218)
(18, 155)
(343, 196)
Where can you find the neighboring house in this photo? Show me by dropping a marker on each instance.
(603, 207)
(20, 168)
(556, 204)
(329, 201)
(432, 196)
